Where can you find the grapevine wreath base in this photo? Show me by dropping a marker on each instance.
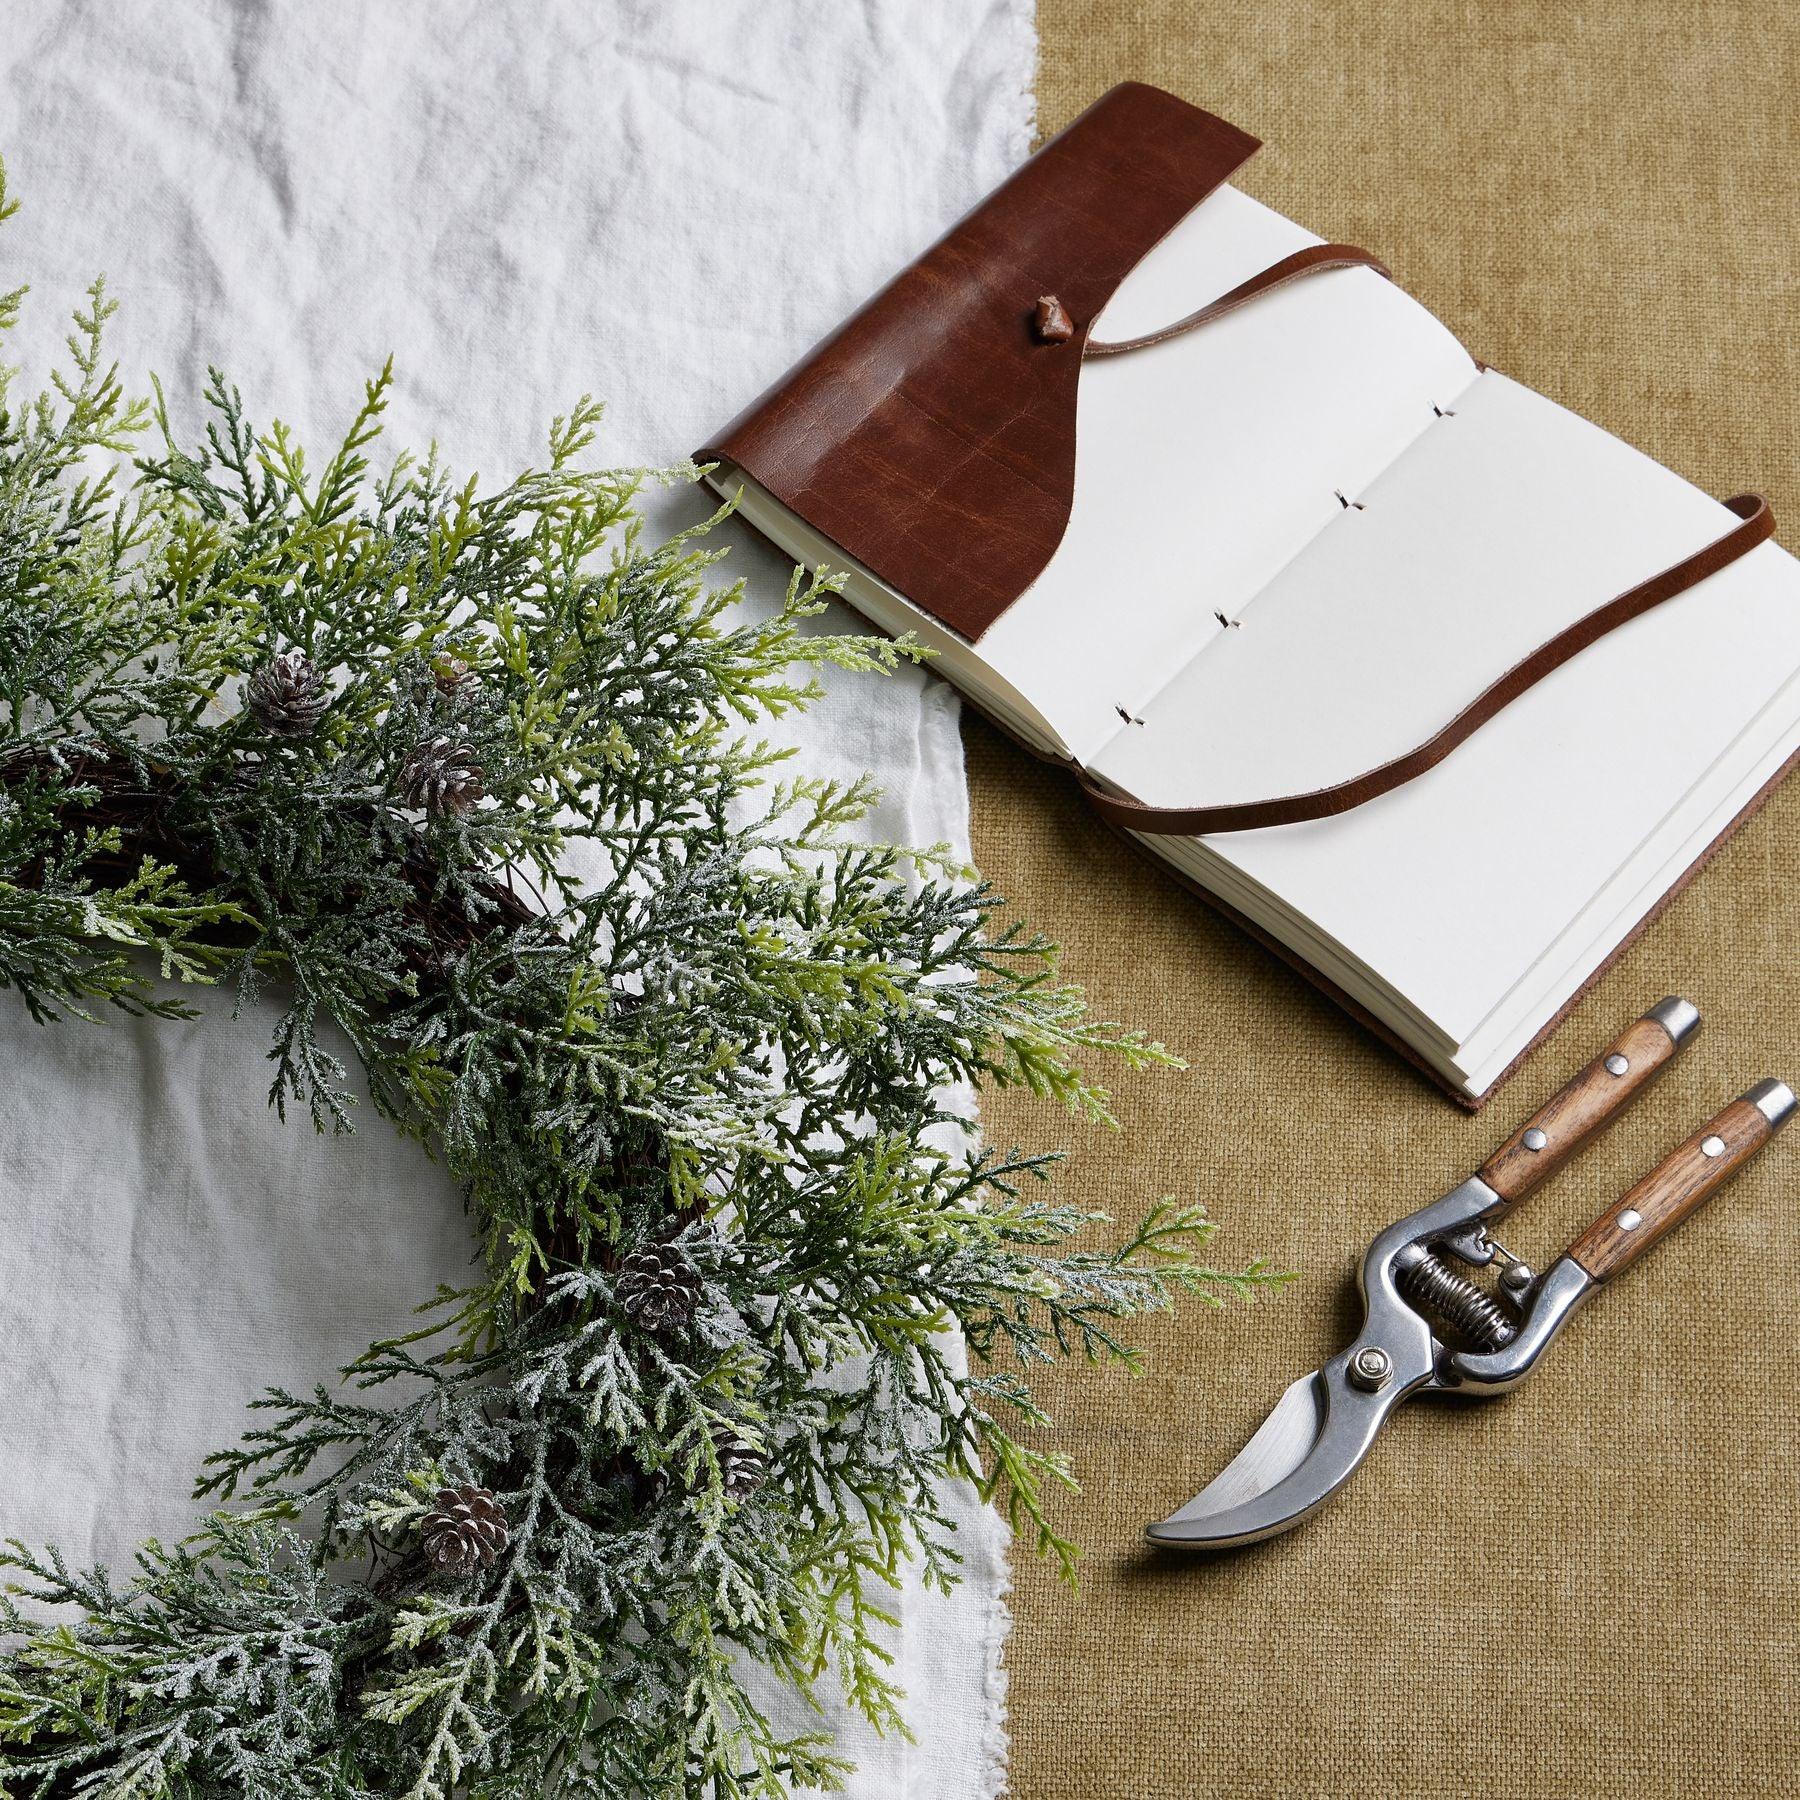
(340, 737)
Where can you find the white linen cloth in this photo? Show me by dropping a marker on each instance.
(659, 204)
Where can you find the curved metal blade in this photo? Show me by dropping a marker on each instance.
(1302, 1453)
(1281, 1443)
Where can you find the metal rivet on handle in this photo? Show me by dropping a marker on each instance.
(1713, 1146)
(1535, 1139)
(1630, 1219)
(1617, 1064)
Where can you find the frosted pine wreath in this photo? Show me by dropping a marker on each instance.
(343, 738)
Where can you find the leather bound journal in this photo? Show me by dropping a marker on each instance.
(1438, 689)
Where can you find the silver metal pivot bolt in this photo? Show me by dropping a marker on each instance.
(1371, 1369)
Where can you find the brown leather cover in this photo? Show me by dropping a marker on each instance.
(932, 436)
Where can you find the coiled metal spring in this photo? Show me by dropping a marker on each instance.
(1435, 1287)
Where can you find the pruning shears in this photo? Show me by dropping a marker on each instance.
(1430, 1328)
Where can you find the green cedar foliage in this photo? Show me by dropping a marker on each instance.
(729, 1041)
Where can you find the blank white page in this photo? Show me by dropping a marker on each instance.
(1205, 463)
(1496, 529)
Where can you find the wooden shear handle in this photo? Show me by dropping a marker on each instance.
(1591, 1101)
(1683, 1181)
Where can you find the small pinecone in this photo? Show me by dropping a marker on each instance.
(742, 1471)
(742, 1467)
(658, 1288)
(287, 694)
(442, 776)
(464, 1531)
(453, 677)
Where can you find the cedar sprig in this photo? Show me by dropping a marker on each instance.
(637, 983)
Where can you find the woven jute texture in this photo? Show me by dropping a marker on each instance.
(1592, 1587)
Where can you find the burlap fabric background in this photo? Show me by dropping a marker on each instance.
(1591, 1587)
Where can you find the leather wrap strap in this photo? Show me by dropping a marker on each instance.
(1756, 525)
(1314, 259)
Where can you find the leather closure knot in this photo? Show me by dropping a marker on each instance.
(1050, 323)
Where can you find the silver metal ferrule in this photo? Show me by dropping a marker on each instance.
(1679, 1018)
(1774, 1100)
